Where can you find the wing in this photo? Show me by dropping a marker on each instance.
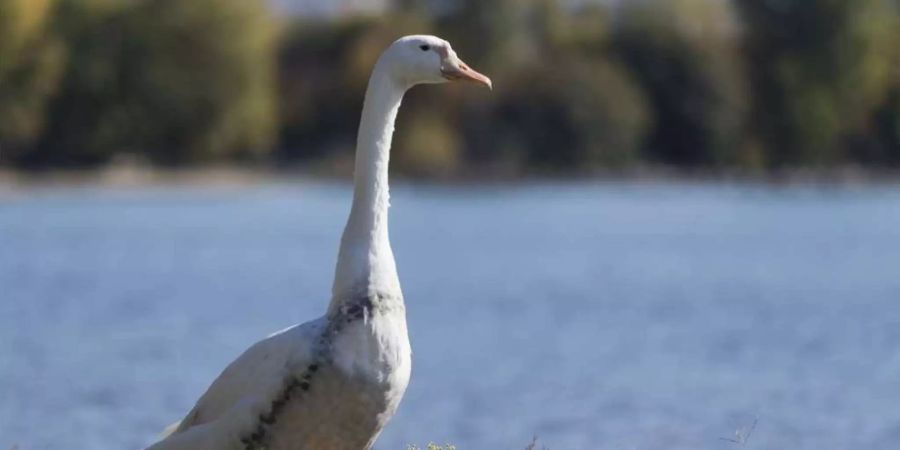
(223, 433)
(254, 377)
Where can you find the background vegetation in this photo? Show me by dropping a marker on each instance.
(748, 85)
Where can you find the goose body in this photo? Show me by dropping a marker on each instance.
(333, 383)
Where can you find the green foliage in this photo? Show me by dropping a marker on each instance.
(21, 23)
(562, 102)
(576, 114)
(201, 76)
(493, 35)
(428, 147)
(887, 129)
(685, 54)
(31, 59)
(84, 119)
(750, 84)
(432, 446)
(818, 70)
(323, 71)
(171, 80)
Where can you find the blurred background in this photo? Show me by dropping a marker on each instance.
(751, 86)
(601, 252)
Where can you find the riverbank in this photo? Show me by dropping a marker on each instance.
(128, 175)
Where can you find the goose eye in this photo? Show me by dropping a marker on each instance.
(425, 47)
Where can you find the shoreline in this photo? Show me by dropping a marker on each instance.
(136, 176)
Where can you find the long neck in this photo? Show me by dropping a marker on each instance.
(365, 262)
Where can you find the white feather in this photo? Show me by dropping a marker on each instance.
(334, 382)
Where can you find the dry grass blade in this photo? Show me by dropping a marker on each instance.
(742, 435)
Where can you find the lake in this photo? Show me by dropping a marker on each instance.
(594, 316)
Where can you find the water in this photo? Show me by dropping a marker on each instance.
(604, 316)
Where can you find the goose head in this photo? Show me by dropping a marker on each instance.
(423, 59)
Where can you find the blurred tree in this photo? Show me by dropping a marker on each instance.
(818, 70)
(202, 78)
(887, 128)
(323, 72)
(886, 117)
(879, 142)
(570, 115)
(685, 54)
(561, 102)
(493, 35)
(172, 80)
(318, 108)
(577, 87)
(84, 125)
(428, 146)
(31, 60)
(587, 29)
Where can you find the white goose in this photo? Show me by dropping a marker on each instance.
(334, 382)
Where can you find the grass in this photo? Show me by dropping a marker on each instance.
(433, 446)
(742, 435)
(740, 439)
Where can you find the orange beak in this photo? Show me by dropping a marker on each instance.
(463, 72)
